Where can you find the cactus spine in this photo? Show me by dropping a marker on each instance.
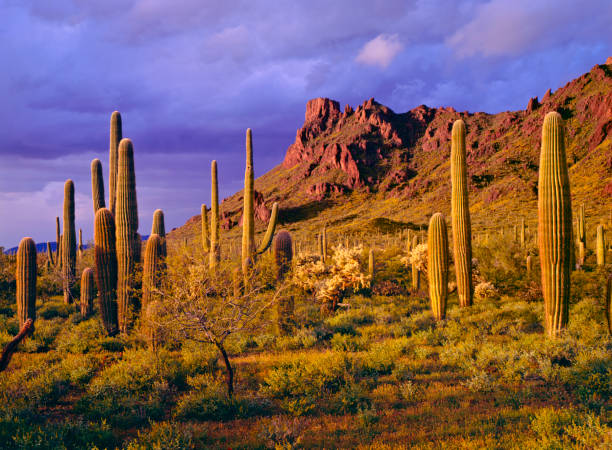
(460, 215)
(126, 219)
(205, 238)
(97, 185)
(116, 134)
(87, 292)
(601, 246)
(68, 242)
(283, 254)
(106, 268)
(159, 228)
(554, 224)
(437, 269)
(215, 251)
(26, 280)
(151, 270)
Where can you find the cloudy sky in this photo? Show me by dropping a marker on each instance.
(189, 76)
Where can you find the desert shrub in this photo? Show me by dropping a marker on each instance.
(302, 338)
(480, 382)
(199, 358)
(54, 309)
(82, 338)
(560, 429)
(589, 378)
(346, 321)
(282, 432)
(411, 392)
(350, 398)
(381, 358)
(347, 343)
(164, 435)
(485, 291)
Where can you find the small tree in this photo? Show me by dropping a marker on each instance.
(198, 304)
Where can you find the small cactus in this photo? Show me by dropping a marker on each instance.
(151, 270)
(69, 253)
(215, 250)
(582, 225)
(554, 224)
(97, 185)
(159, 228)
(205, 238)
(371, 266)
(601, 246)
(437, 266)
(81, 248)
(283, 254)
(324, 243)
(106, 268)
(87, 292)
(116, 134)
(320, 243)
(50, 261)
(26, 280)
(522, 233)
(529, 264)
(58, 244)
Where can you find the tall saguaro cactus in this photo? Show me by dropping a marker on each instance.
(437, 267)
(126, 220)
(81, 247)
(26, 280)
(215, 250)
(58, 244)
(554, 224)
(151, 270)
(87, 292)
(159, 228)
(97, 185)
(460, 215)
(581, 225)
(106, 268)
(205, 237)
(283, 254)
(68, 242)
(116, 134)
(601, 246)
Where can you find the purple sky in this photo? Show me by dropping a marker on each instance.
(190, 76)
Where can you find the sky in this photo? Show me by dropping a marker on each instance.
(190, 76)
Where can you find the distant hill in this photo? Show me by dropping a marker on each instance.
(41, 247)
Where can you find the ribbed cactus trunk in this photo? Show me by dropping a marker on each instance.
(320, 244)
(283, 254)
(159, 228)
(26, 280)
(522, 233)
(151, 270)
(371, 266)
(215, 250)
(266, 241)
(205, 231)
(87, 292)
(609, 303)
(116, 134)
(81, 248)
(416, 277)
(60, 259)
(582, 226)
(601, 246)
(437, 266)
(126, 221)
(152, 329)
(50, 261)
(460, 215)
(97, 185)
(324, 243)
(248, 211)
(554, 224)
(58, 244)
(69, 252)
(529, 264)
(106, 269)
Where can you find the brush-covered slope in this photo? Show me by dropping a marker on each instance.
(350, 167)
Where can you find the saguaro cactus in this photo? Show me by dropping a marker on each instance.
(205, 237)
(320, 243)
(554, 224)
(581, 225)
(50, 261)
(371, 266)
(106, 268)
(126, 220)
(529, 264)
(68, 242)
(58, 244)
(26, 280)
(97, 185)
(151, 270)
(87, 292)
(460, 215)
(116, 134)
(324, 243)
(81, 248)
(601, 246)
(215, 251)
(522, 232)
(609, 304)
(437, 267)
(283, 254)
(159, 228)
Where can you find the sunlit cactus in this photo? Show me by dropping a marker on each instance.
(320, 244)
(81, 247)
(522, 232)
(529, 264)
(371, 266)
(87, 292)
(25, 277)
(215, 250)
(153, 331)
(581, 226)
(609, 303)
(283, 254)
(69, 248)
(106, 268)
(205, 232)
(151, 270)
(126, 220)
(50, 261)
(159, 228)
(58, 244)
(554, 224)
(324, 243)
(97, 185)
(601, 246)
(116, 134)
(266, 241)
(437, 265)
(460, 215)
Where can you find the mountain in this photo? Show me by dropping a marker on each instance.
(371, 167)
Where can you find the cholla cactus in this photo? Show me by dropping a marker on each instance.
(485, 290)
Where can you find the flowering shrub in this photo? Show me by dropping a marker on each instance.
(485, 290)
(417, 256)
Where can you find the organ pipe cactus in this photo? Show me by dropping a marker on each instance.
(97, 185)
(126, 220)
(205, 238)
(151, 270)
(437, 265)
(601, 246)
(159, 228)
(105, 256)
(554, 224)
(87, 292)
(68, 242)
(283, 254)
(460, 215)
(215, 250)
(116, 134)
(26, 280)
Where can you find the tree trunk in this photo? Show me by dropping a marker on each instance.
(229, 372)
(11, 347)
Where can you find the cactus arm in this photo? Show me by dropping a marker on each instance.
(267, 239)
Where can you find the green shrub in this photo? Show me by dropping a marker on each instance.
(164, 435)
